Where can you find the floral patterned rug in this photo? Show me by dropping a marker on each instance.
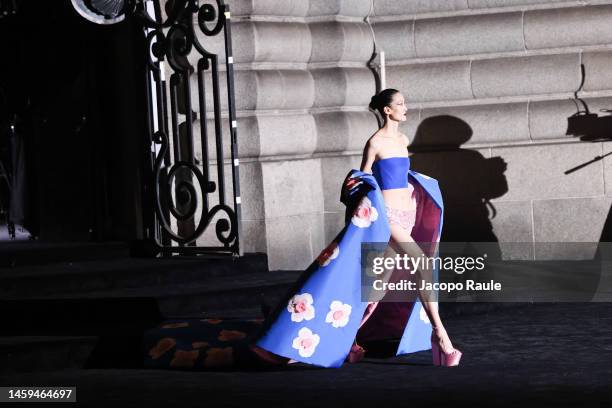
(193, 344)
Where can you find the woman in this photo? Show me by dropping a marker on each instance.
(328, 296)
(385, 155)
(326, 312)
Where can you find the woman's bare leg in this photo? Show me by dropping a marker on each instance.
(368, 312)
(402, 241)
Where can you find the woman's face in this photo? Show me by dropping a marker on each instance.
(397, 109)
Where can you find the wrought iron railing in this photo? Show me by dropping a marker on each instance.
(186, 198)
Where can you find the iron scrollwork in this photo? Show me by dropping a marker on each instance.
(171, 119)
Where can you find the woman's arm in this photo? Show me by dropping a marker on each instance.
(369, 155)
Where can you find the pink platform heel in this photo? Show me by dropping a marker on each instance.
(442, 359)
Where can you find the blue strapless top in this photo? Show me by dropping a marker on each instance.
(391, 172)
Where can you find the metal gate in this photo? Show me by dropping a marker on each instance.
(188, 177)
(187, 185)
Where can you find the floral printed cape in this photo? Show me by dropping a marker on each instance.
(319, 320)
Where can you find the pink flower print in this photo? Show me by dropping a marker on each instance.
(306, 342)
(329, 253)
(301, 308)
(338, 314)
(364, 214)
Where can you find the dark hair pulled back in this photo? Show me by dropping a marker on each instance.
(382, 99)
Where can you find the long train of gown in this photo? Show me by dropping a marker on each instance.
(319, 319)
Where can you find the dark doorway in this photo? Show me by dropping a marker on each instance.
(74, 94)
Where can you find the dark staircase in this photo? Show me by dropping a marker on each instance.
(58, 302)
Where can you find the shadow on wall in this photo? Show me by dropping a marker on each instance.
(467, 179)
(589, 126)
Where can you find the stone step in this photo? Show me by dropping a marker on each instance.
(72, 278)
(121, 349)
(99, 331)
(24, 253)
(104, 328)
(44, 353)
(78, 316)
(216, 295)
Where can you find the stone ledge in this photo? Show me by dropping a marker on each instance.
(296, 44)
(490, 123)
(548, 119)
(399, 15)
(560, 141)
(341, 42)
(597, 69)
(469, 35)
(394, 7)
(268, 7)
(343, 86)
(440, 104)
(343, 131)
(354, 8)
(391, 59)
(477, 4)
(396, 39)
(452, 81)
(499, 55)
(525, 76)
(316, 88)
(568, 27)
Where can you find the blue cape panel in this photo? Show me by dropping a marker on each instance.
(310, 326)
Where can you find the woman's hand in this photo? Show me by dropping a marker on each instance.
(352, 182)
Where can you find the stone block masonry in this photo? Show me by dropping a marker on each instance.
(503, 69)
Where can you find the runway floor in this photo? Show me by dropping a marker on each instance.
(542, 355)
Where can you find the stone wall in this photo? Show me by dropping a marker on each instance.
(495, 78)
(488, 83)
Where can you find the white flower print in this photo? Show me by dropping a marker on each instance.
(301, 308)
(423, 315)
(338, 314)
(364, 214)
(306, 342)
